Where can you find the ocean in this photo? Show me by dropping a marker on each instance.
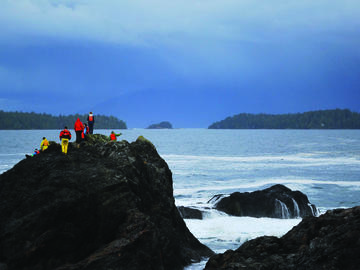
(323, 164)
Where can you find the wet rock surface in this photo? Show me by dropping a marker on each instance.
(331, 241)
(277, 201)
(190, 213)
(105, 205)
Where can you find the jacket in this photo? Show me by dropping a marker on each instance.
(65, 134)
(78, 125)
(44, 144)
(91, 118)
(113, 136)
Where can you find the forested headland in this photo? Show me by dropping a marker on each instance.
(324, 119)
(162, 125)
(24, 120)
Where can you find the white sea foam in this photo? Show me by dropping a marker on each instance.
(296, 208)
(223, 231)
(197, 266)
(261, 183)
(300, 159)
(282, 208)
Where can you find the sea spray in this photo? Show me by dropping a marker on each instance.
(281, 209)
(296, 209)
(221, 232)
(313, 209)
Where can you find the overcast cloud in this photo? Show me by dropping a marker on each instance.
(262, 56)
(144, 22)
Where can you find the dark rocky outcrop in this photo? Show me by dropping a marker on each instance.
(277, 201)
(190, 213)
(331, 241)
(162, 125)
(106, 205)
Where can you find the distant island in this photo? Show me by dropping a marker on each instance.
(162, 125)
(323, 119)
(23, 120)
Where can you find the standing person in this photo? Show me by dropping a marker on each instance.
(91, 122)
(79, 129)
(65, 136)
(44, 144)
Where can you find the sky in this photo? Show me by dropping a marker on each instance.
(187, 62)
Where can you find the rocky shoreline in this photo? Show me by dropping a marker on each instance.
(105, 205)
(331, 241)
(110, 205)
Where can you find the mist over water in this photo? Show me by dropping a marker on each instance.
(323, 164)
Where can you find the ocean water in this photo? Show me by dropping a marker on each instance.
(323, 164)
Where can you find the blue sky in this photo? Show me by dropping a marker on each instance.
(188, 62)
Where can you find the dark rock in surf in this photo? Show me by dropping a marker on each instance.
(330, 241)
(106, 205)
(190, 213)
(277, 201)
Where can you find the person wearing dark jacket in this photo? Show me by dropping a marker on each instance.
(65, 136)
(91, 122)
(79, 129)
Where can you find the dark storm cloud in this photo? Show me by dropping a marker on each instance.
(255, 56)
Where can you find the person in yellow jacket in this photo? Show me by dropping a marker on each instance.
(44, 144)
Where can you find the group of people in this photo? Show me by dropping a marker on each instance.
(81, 130)
(43, 146)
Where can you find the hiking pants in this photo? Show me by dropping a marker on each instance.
(78, 136)
(91, 127)
(64, 145)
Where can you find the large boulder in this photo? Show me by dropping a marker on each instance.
(277, 201)
(331, 241)
(105, 205)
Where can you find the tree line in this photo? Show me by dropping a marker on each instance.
(323, 119)
(24, 120)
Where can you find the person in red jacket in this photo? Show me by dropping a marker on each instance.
(113, 135)
(79, 129)
(91, 122)
(65, 136)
